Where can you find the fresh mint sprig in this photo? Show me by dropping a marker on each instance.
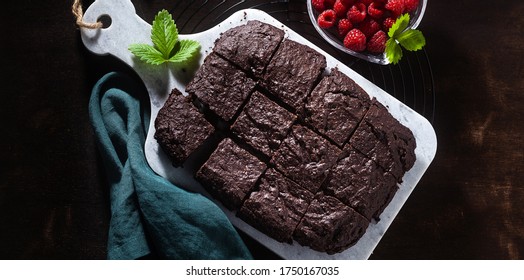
(167, 47)
(411, 40)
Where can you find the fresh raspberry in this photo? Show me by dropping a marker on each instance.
(387, 23)
(318, 5)
(327, 19)
(357, 13)
(355, 40)
(377, 42)
(344, 25)
(340, 9)
(411, 5)
(396, 7)
(369, 27)
(376, 10)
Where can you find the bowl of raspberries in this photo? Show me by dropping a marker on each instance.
(360, 27)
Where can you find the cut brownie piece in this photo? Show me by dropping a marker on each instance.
(305, 157)
(292, 73)
(263, 124)
(250, 46)
(360, 183)
(180, 127)
(277, 206)
(230, 173)
(220, 86)
(384, 139)
(336, 106)
(330, 226)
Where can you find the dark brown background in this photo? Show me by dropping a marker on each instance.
(54, 200)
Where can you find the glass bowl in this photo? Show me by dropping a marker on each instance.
(331, 37)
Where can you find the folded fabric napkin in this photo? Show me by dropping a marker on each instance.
(151, 217)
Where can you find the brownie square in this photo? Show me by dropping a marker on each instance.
(180, 127)
(330, 226)
(305, 157)
(220, 86)
(263, 124)
(250, 46)
(360, 183)
(276, 207)
(230, 173)
(336, 106)
(384, 139)
(293, 72)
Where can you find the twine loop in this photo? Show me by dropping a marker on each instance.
(79, 14)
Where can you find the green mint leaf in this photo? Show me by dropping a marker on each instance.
(411, 40)
(167, 47)
(400, 25)
(164, 33)
(393, 51)
(185, 49)
(147, 53)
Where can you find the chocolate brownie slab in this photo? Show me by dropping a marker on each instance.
(336, 106)
(180, 127)
(263, 124)
(330, 226)
(250, 46)
(360, 183)
(384, 139)
(230, 173)
(220, 86)
(292, 73)
(276, 207)
(305, 157)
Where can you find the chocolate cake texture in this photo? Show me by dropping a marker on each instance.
(336, 106)
(180, 127)
(221, 86)
(263, 124)
(277, 206)
(306, 156)
(250, 46)
(230, 173)
(293, 72)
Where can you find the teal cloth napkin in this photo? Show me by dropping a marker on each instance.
(151, 217)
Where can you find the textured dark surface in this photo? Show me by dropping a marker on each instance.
(305, 157)
(336, 106)
(250, 47)
(220, 86)
(361, 184)
(263, 124)
(230, 173)
(385, 140)
(180, 128)
(292, 73)
(467, 82)
(277, 206)
(330, 226)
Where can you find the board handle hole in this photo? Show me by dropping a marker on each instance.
(105, 20)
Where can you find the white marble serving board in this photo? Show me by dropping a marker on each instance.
(128, 28)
